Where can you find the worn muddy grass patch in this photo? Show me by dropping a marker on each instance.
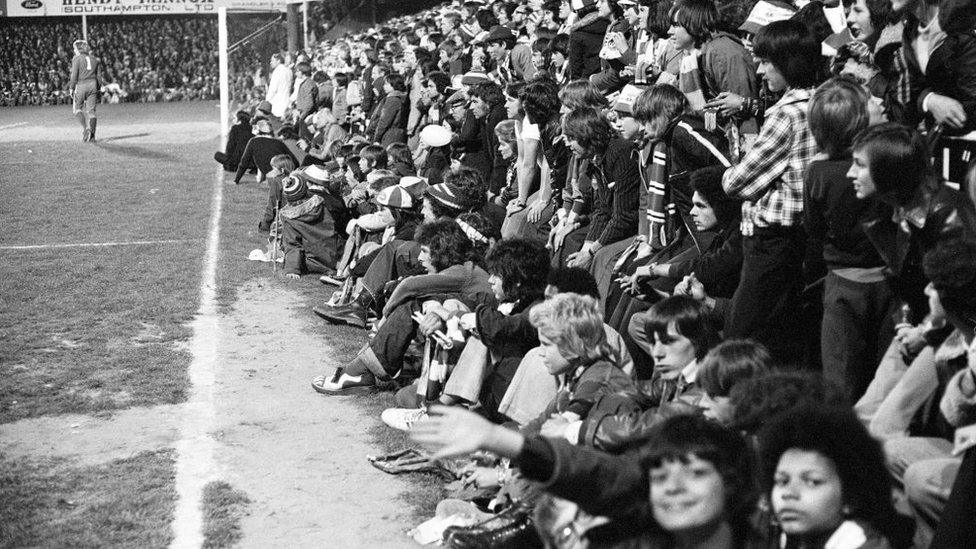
(124, 503)
(223, 507)
(94, 329)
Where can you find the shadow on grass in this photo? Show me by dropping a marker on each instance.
(137, 152)
(125, 503)
(121, 137)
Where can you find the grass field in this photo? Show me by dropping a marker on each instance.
(101, 256)
(90, 328)
(124, 503)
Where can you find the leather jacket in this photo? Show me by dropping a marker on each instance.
(935, 213)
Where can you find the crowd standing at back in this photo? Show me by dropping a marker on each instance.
(648, 274)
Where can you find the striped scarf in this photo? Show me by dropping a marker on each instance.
(690, 80)
(656, 189)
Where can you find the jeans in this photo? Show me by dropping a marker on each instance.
(854, 313)
(766, 305)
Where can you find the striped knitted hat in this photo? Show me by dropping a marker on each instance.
(294, 189)
(446, 195)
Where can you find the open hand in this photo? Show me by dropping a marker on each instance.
(946, 110)
(535, 211)
(451, 431)
(727, 103)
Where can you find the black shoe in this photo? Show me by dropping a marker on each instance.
(352, 314)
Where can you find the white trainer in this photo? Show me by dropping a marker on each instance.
(403, 418)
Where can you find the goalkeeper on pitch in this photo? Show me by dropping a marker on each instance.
(85, 83)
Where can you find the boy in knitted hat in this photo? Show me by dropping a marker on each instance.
(308, 235)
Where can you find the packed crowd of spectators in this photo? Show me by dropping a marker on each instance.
(647, 274)
(145, 59)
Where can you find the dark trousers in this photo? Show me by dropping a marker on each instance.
(393, 338)
(766, 305)
(854, 313)
(957, 528)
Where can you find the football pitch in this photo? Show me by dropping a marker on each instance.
(153, 383)
(100, 254)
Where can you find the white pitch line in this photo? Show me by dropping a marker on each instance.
(92, 244)
(10, 126)
(195, 449)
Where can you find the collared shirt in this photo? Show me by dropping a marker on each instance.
(771, 173)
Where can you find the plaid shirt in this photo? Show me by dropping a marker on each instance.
(771, 173)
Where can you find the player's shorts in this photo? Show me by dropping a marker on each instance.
(85, 99)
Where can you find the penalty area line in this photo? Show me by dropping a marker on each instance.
(11, 126)
(196, 448)
(93, 244)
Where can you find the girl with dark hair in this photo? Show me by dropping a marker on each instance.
(691, 484)
(827, 481)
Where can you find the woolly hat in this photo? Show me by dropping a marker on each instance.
(294, 189)
(435, 135)
(626, 98)
(394, 197)
(414, 185)
(446, 195)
